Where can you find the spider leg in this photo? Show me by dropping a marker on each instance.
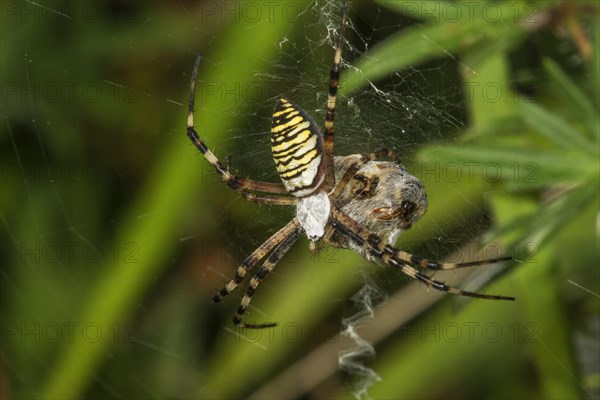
(242, 185)
(402, 255)
(272, 200)
(435, 265)
(381, 154)
(255, 257)
(359, 161)
(350, 173)
(267, 267)
(334, 76)
(388, 255)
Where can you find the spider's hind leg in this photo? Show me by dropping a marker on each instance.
(379, 250)
(267, 267)
(436, 265)
(257, 255)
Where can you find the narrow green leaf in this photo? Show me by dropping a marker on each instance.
(424, 43)
(524, 167)
(536, 281)
(464, 11)
(416, 45)
(425, 10)
(575, 99)
(541, 225)
(555, 129)
(596, 61)
(487, 93)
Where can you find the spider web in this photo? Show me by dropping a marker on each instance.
(85, 132)
(402, 112)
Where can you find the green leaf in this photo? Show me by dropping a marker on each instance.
(465, 11)
(555, 129)
(547, 333)
(416, 45)
(575, 100)
(595, 70)
(543, 223)
(423, 43)
(487, 93)
(526, 168)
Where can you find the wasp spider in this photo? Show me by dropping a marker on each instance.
(359, 202)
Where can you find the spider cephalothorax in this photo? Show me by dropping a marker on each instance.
(361, 202)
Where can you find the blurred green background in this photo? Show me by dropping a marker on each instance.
(116, 233)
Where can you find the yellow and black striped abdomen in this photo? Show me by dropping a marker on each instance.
(297, 147)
